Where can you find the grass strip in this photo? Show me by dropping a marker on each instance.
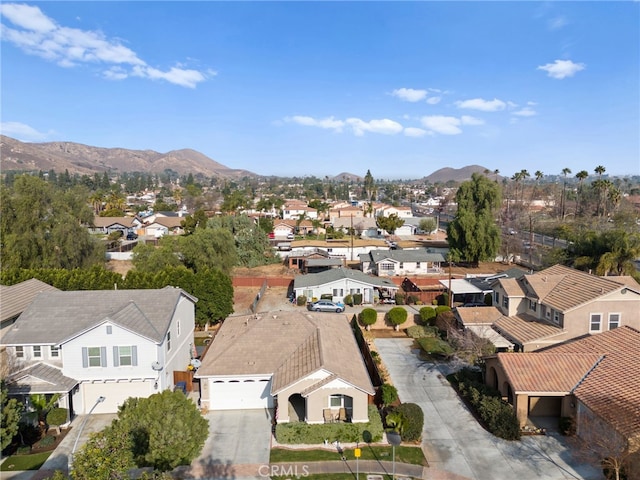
(404, 454)
(17, 463)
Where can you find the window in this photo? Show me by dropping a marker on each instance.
(54, 351)
(125, 356)
(556, 317)
(335, 401)
(20, 352)
(341, 401)
(596, 319)
(505, 301)
(109, 329)
(496, 298)
(338, 292)
(168, 341)
(533, 305)
(614, 320)
(178, 327)
(401, 265)
(94, 357)
(387, 266)
(417, 264)
(37, 351)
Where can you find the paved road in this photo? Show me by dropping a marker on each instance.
(453, 441)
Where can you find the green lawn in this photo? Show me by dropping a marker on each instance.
(411, 455)
(17, 463)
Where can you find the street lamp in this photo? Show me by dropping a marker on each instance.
(84, 422)
(394, 439)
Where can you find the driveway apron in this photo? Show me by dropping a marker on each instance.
(452, 439)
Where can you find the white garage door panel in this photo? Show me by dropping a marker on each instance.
(240, 395)
(114, 394)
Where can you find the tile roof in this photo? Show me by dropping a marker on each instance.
(39, 378)
(14, 299)
(627, 281)
(511, 287)
(104, 222)
(612, 388)
(525, 328)
(478, 315)
(567, 288)
(537, 373)
(335, 274)
(288, 345)
(47, 320)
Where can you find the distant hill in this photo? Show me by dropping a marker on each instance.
(84, 159)
(457, 174)
(350, 177)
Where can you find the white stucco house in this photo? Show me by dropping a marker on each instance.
(340, 282)
(112, 343)
(388, 263)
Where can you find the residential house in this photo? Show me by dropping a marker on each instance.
(306, 366)
(298, 258)
(593, 379)
(16, 298)
(293, 211)
(112, 343)
(107, 225)
(560, 303)
(345, 212)
(162, 225)
(480, 320)
(283, 228)
(419, 261)
(340, 282)
(364, 227)
(388, 210)
(474, 288)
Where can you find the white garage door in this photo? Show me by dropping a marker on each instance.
(240, 394)
(114, 394)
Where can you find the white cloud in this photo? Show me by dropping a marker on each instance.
(442, 124)
(434, 100)
(415, 132)
(383, 126)
(562, 69)
(36, 34)
(22, 132)
(557, 23)
(409, 94)
(525, 112)
(468, 120)
(481, 104)
(328, 123)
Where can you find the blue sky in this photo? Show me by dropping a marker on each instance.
(320, 88)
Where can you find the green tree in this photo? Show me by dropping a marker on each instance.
(369, 186)
(581, 176)
(43, 227)
(107, 455)
(427, 225)
(208, 248)
(161, 440)
(397, 316)
(150, 259)
(624, 249)
(191, 222)
(389, 224)
(11, 411)
(473, 234)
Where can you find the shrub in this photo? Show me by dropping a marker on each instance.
(57, 416)
(368, 316)
(388, 394)
(301, 301)
(488, 299)
(435, 346)
(441, 309)
(427, 315)
(443, 299)
(397, 316)
(348, 300)
(567, 426)
(357, 299)
(399, 299)
(445, 322)
(412, 431)
(303, 433)
(421, 331)
(326, 296)
(412, 299)
(47, 441)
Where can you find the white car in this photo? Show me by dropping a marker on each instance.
(290, 236)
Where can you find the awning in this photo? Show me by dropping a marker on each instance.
(484, 331)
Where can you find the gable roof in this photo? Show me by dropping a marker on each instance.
(525, 328)
(288, 345)
(335, 274)
(104, 222)
(405, 255)
(536, 373)
(563, 288)
(16, 298)
(477, 315)
(511, 287)
(56, 317)
(610, 390)
(39, 378)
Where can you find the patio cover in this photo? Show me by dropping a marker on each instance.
(484, 331)
(460, 286)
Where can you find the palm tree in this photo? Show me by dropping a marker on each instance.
(524, 174)
(619, 260)
(565, 171)
(581, 176)
(496, 172)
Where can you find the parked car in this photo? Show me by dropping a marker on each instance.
(132, 236)
(290, 236)
(326, 306)
(512, 231)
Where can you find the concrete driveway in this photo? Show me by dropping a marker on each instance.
(238, 444)
(453, 441)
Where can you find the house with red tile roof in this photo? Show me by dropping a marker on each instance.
(559, 303)
(594, 379)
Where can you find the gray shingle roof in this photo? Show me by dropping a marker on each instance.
(15, 298)
(406, 255)
(312, 279)
(39, 378)
(55, 317)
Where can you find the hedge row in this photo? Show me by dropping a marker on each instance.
(498, 415)
(421, 331)
(303, 433)
(414, 421)
(435, 346)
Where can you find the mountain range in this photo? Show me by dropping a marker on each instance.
(84, 159)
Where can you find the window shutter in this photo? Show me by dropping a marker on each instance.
(85, 357)
(116, 357)
(103, 356)
(134, 356)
